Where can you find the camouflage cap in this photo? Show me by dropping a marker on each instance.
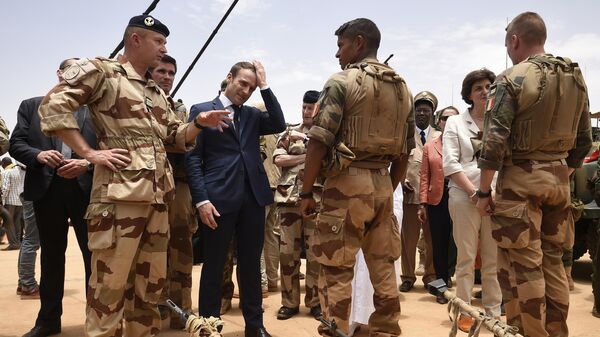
(150, 23)
(427, 96)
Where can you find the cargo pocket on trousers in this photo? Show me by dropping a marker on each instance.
(101, 226)
(328, 241)
(510, 224)
(395, 242)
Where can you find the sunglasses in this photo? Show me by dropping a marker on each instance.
(444, 118)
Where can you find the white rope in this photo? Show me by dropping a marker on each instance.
(497, 327)
(199, 326)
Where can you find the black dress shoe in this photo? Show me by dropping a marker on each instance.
(285, 312)
(316, 312)
(256, 332)
(441, 299)
(43, 331)
(406, 286)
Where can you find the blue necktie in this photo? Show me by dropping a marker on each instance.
(422, 137)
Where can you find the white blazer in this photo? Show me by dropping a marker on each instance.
(458, 154)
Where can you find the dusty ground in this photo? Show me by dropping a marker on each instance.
(421, 315)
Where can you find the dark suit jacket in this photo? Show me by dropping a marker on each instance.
(220, 163)
(28, 140)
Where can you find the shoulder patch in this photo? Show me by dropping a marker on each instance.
(494, 97)
(73, 74)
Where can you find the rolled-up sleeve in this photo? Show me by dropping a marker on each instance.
(327, 122)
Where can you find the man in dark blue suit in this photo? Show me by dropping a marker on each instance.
(230, 190)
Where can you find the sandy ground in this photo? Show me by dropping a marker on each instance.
(421, 315)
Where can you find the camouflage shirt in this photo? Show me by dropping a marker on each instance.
(267, 147)
(3, 137)
(177, 160)
(527, 119)
(129, 112)
(290, 182)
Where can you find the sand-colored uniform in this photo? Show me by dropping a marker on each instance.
(272, 230)
(128, 228)
(3, 137)
(295, 230)
(537, 126)
(366, 119)
(182, 221)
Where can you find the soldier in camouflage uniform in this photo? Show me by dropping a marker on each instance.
(182, 218)
(365, 122)
(272, 228)
(537, 131)
(128, 227)
(290, 155)
(3, 137)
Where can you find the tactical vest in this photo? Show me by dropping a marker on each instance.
(377, 106)
(547, 129)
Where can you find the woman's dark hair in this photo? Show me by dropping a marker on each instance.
(471, 78)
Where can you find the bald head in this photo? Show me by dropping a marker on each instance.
(529, 27)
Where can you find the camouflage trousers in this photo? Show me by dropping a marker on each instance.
(292, 227)
(129, 259)
(530, 221)
(228, 285)
(182, 224)
(356, 212)
(271, 248)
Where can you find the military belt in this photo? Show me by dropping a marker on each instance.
(372, 165)
(355, 171)
(539, 163)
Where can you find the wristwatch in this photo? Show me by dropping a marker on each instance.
(305, 195)
(196, 124)
(482, 195)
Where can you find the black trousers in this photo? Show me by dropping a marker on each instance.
(440, 225)
(248, 224)
(64, 200)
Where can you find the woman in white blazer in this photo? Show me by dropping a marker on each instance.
(470, 228)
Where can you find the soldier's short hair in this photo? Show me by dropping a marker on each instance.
(130, 30)
(471, 78)
(241, 65)
(363, 27)
(6, 161)
(65, 63)
(168, 59)
(530, 27)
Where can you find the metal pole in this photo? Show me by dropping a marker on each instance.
(189, 69)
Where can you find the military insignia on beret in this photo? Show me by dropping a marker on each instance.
(149, 21)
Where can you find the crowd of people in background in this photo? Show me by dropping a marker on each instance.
(236, 178)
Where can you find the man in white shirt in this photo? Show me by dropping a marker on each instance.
(13, 178)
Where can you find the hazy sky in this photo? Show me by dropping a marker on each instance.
(435, 43)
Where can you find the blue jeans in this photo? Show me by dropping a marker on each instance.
(29, 246)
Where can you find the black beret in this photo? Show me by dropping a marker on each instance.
(311, 96)
(150, 23)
